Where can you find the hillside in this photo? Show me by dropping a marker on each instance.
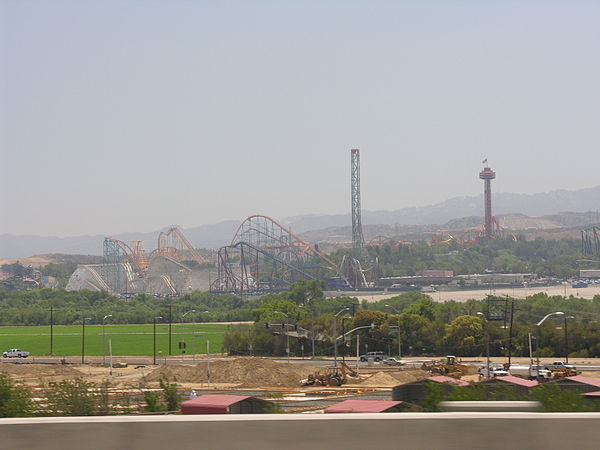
(516, 211)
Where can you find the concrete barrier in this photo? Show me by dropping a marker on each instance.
(446, 431)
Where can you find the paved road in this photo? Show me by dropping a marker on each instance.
(144, 360)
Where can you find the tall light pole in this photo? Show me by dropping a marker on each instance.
(154, 340)
(104, 339)
(539, 324)
(186, 313)
(335, 334)
(487, 343)
(51, 329)
(567, 339)
(170, 323)
(312, 327)
(183, 338)
(399, 343)
(83, 338)
(287, 336)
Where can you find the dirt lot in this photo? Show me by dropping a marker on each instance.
(232, 373)
(229, 373)
(479, 294)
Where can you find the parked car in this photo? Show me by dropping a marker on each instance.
(15, 353)
(393, 362)
(375, 356)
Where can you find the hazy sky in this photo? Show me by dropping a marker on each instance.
(133, 115)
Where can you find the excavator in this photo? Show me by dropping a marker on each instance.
(333, 376)
(448, 366)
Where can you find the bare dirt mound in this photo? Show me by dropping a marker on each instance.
(408, 376)
(246, 372)
(381, 379)
(37, 371)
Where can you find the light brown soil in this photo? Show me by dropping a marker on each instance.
(380, 379)
(391, 379)
(37, 372)
(244, 372)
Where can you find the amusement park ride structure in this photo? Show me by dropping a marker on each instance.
(265, 256)
(490, 228)
(124, 261)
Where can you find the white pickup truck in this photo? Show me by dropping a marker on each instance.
(559, 365)
(15, 353)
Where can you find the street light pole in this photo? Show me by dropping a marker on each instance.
(287, 336)
(182, 317)
(83, 338)
(335, 334)
(399, 342)
(539, 324)
(104, 339)
(567, 339)
(51, 329)
(154, 340)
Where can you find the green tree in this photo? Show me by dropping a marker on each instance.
(76, 397)
(464, 335)
(15, 400)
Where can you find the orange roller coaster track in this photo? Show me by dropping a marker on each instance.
(175, 245)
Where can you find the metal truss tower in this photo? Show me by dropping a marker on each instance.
(358, 242)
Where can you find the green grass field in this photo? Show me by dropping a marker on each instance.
(127, 340)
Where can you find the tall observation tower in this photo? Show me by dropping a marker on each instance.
(487, 175)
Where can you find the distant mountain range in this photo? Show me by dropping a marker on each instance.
(455, 213)
(549, 203)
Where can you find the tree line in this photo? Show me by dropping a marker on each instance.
(426, 327)
(552, 258)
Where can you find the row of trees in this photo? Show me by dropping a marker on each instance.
(426, 327)
(555, 258)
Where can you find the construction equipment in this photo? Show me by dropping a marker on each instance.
(333, 376)
(446, 366)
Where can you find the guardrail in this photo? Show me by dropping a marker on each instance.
(446, 431)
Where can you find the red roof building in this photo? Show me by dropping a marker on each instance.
(579, 383)
(510, 383)
(415, 392)
(592, 395)
(445, 379)
(365, 406)
(513, 381)
(225, 404)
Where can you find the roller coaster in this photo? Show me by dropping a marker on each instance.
(590, 241)
(265, 256)
(126, 265)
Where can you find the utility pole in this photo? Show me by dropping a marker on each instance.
(312, 329)
(154, 340)
(567, 339)
(399, 340)
(51, 329)
(487, 342)
(170, 323)
(510, 330)
(83, 338)
(335, 352)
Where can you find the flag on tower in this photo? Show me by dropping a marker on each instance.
(484, 161)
